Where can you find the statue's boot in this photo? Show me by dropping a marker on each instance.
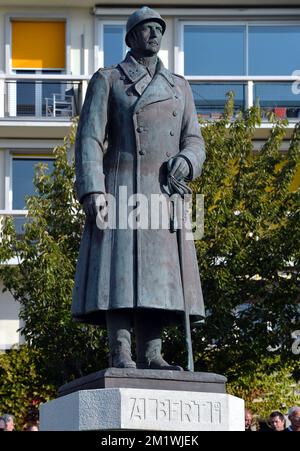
(149, 345)
(119, 338)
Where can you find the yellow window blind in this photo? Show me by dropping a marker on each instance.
(38, 45)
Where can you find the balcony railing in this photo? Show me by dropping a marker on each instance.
(278, 94)
(60, 97)
(41, 97)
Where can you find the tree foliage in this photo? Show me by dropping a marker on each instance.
(270, 387)
(249, 257)
(22, 387)
(42, 282)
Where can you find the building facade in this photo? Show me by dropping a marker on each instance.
(50, 49)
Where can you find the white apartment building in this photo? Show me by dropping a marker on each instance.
(50, 49)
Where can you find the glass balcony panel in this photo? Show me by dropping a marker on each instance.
(277, 98)
(210, 98)
(25, 101)
(19, 223)
(58, 100)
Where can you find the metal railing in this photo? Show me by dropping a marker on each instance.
(60, 97)
(274, 94)
(41, 96)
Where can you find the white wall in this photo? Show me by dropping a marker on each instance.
(2, 178)
(167, 47)
(2, 40)
(82, 23)
(9, 320)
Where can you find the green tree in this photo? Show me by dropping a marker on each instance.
(270, 387)
(249, 256)
(42, 282)
(22, 387)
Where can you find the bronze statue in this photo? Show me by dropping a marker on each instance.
(138, 129)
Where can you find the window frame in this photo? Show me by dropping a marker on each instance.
(38, 17)
(179, 53)
(10, 155)
(99, 39)
(27, 156)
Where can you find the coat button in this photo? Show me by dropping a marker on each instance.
(142, 152)
(175, 113)
(168, 154)
(172, 133)
(139, 129)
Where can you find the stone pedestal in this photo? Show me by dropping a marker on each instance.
(148, 379)
(180, 401)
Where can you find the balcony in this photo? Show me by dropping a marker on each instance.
(43, 105)
(279, 95)
(32, 105)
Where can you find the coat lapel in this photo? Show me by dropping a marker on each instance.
(157, 91)
(150, 91)
(132, 69)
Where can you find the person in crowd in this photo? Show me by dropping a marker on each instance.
(2, 424)
(294, 417)
(277, 421)
(31, 427)
(9, 422)
(248, 420)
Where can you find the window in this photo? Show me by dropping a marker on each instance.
(114, 47)
(242, 49)
(111, 42)
(22, 178)
(38, 47)
(214, 50)
(245, 49)
(272, 49)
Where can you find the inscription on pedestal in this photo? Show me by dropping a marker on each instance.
(169, 410)
(136, 409)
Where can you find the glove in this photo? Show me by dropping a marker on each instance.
(178, 168)
(94, 205)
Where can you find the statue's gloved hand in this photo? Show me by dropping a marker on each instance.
(178, 168)
(94, 205)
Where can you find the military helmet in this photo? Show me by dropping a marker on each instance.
(141, 15)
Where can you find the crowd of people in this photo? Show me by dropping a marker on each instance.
(7, 424)
(277, 421)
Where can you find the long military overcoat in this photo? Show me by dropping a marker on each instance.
(129, 127)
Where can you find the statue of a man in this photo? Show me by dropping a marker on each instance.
(138, 130)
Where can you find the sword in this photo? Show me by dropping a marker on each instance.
(181, 188)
